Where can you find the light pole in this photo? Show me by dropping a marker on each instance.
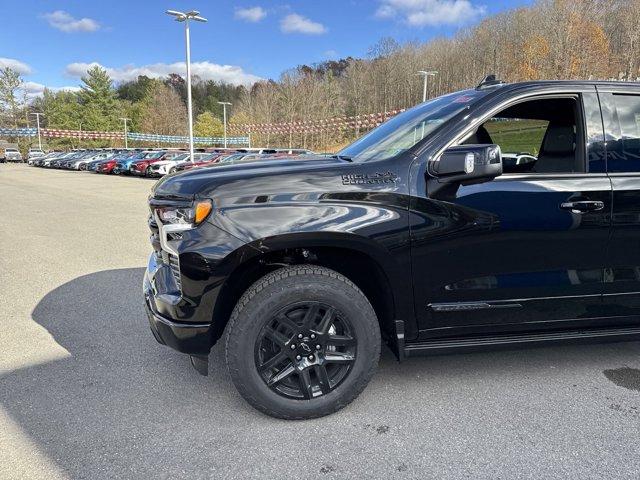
(185, 17)
(37, 114)
(427, 74)
(124, 119)
(224, 120)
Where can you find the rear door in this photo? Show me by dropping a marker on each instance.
(621, 115)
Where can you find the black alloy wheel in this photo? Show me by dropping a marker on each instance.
(305, 351)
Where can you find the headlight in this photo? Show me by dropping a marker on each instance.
(193, 215)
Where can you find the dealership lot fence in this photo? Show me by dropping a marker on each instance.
(147, 137)
(241, 131)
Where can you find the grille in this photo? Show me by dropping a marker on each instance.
(174, 263)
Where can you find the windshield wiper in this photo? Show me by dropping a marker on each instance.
(343, 157)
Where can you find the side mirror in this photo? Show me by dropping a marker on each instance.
(468, 164)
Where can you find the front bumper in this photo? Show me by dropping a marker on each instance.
(191, 338)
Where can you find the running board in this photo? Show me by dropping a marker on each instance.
(435, 347)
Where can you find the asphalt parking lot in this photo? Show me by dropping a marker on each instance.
(86, 392)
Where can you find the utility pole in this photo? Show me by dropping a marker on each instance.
(37, 114)
(126, 144)
(185, 17)
(224, 120)
(426, 74)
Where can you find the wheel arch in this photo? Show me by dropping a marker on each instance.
(363, 261)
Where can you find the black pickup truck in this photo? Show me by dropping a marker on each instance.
(418, 234)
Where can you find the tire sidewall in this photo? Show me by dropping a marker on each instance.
(351, 304)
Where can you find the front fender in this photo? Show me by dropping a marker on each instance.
(374, 224)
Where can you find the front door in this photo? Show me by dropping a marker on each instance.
(527, 250)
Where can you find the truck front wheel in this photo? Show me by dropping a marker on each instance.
(302, 342)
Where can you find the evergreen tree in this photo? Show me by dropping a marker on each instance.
(101, 110)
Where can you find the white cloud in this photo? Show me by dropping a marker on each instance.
(34, 89)
(420, 13)
(294, 23)
(253, 14)
(65, 22)
(20, 67)
(205, 70)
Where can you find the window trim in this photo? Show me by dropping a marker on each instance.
(525, 97)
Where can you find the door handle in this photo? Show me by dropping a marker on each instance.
(583, 206)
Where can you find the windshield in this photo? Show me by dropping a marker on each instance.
(406, 129)
(180, 157)
(232, 158)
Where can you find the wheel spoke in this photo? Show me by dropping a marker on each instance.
(281, 375)
(341, 340)
(305, 384)
(311, 315)
(323, 378)
(326, 321)
(279, 338)
(287, 322)
(273, 361)
(338, 357)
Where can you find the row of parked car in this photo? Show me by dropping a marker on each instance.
(155, 162)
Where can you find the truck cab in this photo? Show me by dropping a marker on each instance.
(506, 214)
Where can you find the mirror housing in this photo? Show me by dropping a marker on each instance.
(468, 164)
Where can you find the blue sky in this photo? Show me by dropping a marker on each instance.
(52, 42)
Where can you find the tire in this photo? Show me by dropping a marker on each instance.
(172, 170)
(336, 371)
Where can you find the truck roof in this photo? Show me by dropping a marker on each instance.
(530, 83)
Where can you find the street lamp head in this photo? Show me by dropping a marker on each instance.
(180, 17)
(225, 103)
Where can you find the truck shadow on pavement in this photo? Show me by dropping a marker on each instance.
(124, 406)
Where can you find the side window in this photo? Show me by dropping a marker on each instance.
(624, 153)
(518, 135)
(536, 136)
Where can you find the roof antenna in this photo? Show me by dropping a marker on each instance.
(489, 81)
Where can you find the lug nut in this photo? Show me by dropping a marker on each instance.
(317, 347)
(300, 335)
(313, 335)
(298, 357)
(293, 346)
(310, 357)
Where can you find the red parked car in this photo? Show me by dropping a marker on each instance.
(208, 160)
(107, 165)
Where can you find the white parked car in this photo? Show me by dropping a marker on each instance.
(12, 155)
(164, 167)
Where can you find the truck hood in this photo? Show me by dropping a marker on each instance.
(203, 181)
